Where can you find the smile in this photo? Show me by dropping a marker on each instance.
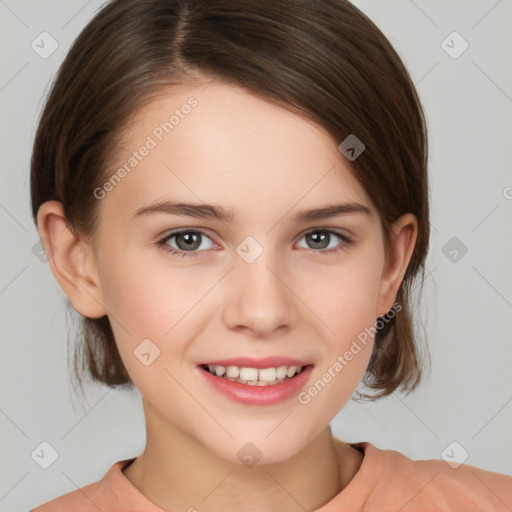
(254, 376)
(265, 385)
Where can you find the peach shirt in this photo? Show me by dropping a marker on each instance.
(387, 481)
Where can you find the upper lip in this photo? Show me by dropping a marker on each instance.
(266, 362)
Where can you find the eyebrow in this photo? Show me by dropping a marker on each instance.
(210, 211)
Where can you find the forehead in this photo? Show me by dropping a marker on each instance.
(220, 143)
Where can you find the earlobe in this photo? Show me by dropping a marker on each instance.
(71, 261)
(402, 241)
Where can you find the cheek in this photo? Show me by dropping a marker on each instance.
(351, 305)
(345, 296)
(149, 300)
(149, 297)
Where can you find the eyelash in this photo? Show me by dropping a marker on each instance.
(346, 242)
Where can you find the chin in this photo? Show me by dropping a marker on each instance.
(256, 450)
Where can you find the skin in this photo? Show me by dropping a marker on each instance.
(245, 153)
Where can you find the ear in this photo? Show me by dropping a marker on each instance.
(71, 260)
(402, 240)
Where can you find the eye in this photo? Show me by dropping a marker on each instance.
(185, 241)
(323, 238)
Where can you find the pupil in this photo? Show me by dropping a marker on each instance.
(192, 241)
(318, 239)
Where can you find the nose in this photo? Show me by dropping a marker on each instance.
(258, 298)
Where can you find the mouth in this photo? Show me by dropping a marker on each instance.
(250, 376)
(256, 382)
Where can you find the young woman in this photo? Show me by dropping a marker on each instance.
(233, 195)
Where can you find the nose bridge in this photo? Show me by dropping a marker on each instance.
(259, 300)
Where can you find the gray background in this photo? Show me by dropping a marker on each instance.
(467, 302)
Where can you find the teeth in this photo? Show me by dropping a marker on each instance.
(248, 374)
(268, 374)
(232, 371)
(291, 371)
(219, 370)
(254, 376)
(281, 372)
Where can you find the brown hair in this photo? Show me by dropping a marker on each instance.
(322, 58)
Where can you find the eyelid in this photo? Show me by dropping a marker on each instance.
(203, 231)
(165, 238)
(346, 240)
(343, 234)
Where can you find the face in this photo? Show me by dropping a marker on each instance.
(184, 288)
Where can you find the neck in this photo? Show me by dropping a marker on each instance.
(177, 473)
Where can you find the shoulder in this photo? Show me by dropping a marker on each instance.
(80, 500)
(437, 486)
(112, 492)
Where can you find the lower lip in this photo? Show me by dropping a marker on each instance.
(258, 395)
